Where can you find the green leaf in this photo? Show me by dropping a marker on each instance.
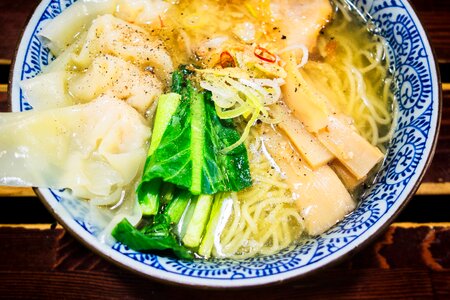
(190, 153)
(157, 236)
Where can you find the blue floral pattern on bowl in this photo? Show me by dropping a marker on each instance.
(413, 141)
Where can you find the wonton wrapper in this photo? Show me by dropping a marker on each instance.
(94, 149)
(62, 31)
(113, 76)
(113, 36)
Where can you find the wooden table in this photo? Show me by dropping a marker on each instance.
(38, 258)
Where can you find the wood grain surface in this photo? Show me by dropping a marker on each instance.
(434, 15)
(13, 18)
(412, 262)
(439, 171)
(3, 102)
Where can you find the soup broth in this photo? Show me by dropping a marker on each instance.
(207, 128)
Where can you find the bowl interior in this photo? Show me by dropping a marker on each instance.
(408, 155)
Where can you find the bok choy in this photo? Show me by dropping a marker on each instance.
(185, 167)
(189, 153)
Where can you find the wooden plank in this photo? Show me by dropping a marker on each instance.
(407, 283)
(39, 245)
(401, 246)
(8, 191)
(32, 226)
(437, 26)
(13, 18)
(439, 170)
(4, 106)
(416, 225)
(430, 188)
(4, 76)
(441, 285)
(405, 262)
(434, 16)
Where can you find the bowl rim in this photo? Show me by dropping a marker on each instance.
(205, 283)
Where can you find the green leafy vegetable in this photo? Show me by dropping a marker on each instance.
(185, 159)
(177, 206)
(167, 105)
(157, 236)
(189, 153)
(149, 192)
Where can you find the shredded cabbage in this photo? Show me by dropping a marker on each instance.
(235, 95)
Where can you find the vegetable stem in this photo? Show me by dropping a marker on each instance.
(148, 197)
(196, 226)
(167, 192)
(197, 138)
(177, 206)
(167, 105)
(210, 233)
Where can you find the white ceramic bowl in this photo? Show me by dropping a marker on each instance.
(407, 158)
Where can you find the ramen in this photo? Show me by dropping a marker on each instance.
(206, 128)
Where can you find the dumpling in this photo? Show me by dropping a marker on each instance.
(116, 77)
(95, 149)
(47, 91)
(113, 36)
(62, 31)
(141, 11)
(108, 75)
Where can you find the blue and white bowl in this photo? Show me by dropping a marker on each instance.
(408, 156)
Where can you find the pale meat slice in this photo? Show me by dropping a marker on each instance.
(305, 143)
(347, 178)
(306, 103)
(319, 194)
(301, 20)
(300, 23)
(352, 150)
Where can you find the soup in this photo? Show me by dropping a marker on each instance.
(206, 128)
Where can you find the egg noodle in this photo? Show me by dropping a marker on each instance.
(314, 108)
(354, 75)
(264, 218)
